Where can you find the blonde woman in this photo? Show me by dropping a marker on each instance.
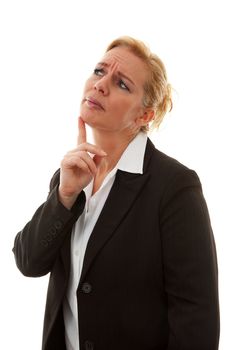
(125, 231)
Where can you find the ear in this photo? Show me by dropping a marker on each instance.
(146, 117)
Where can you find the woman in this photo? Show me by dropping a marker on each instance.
(125, 231)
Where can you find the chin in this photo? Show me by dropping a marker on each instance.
(85, 115)
(94, 120)
(88, 119)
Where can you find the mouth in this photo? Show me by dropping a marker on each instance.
(93, 103)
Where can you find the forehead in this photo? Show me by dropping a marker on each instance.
(123, 60)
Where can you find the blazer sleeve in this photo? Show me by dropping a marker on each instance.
(37, 246)
(190, 266)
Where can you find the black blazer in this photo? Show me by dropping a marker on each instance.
(149, 278)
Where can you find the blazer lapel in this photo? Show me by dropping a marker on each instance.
(125, 190)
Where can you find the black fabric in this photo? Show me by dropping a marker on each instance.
(150, 263)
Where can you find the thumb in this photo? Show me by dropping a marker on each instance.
(97, 159)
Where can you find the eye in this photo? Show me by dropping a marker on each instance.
(123, 85)
(99, 72)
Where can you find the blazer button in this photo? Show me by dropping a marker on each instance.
(86, 287)
(89, 345)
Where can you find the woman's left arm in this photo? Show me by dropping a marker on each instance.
(190, 265)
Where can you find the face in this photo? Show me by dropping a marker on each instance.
(112, 98)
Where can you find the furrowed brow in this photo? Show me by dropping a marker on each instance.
(104, 64)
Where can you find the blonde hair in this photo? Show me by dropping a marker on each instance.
(157, 90)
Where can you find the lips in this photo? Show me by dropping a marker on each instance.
(94, 102)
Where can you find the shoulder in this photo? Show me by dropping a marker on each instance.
(167, 170)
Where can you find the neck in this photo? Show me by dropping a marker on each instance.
(113, 144)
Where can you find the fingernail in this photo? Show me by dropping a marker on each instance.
(104, 153)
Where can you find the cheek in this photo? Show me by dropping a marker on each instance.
(135, 111)
(127, 108)
(89, 84)
(86, 86)
(123, 104)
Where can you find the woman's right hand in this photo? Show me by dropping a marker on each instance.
(78, 168)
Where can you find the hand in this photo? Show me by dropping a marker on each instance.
(78, 168)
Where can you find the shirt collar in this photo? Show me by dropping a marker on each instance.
(131, 160)
(133, 157)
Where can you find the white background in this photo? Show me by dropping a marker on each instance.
(47, 50)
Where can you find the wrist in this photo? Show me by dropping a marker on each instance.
(67, 200)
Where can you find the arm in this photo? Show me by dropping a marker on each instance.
(38, 244)
(190, 266)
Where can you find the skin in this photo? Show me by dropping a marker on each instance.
(112, 107)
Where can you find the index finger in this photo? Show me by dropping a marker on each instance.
(81, 131)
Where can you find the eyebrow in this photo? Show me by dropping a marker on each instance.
(104, 64)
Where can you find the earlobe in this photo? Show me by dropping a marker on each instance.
(147, 117)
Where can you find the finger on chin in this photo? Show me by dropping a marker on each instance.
(81, 131)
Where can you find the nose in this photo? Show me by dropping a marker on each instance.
(102, 86)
